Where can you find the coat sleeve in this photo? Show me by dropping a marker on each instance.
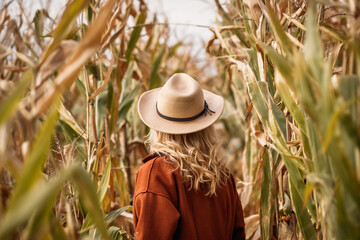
(155, 217)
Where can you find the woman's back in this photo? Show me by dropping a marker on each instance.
(185, 191)
(165, 209)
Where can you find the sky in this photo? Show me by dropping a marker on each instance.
(190, 12)
(54, 7)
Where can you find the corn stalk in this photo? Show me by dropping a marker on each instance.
(294, 72)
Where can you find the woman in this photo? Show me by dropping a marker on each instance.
(184, 190)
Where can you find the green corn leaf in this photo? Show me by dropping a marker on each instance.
(290, 102)
(43, 220)
(38, 199)
(14, 97)
(154, 75)
(278, 30)
(303, 218)
(292, 165)
(260, 97)
(324, 186)
(350, 134)
(245, 18)
(228, 21)
(110, 217)
(114, 233)
(271, 123)
(117, 233)
(173, 50)
(320, 160)
(80, 86)
(121, 183)
(278, 114)
(90, 13)
(105, 180)
(266, 199)
(64, 27)
(68, 118)
(334, 118)
(72, 136)
(43, 195)
(126, 105)
(100, 109)
(135, 35)
(259, 100)
(347, 88)
(38, 21)
(130, 90)
(346, 219)
(34, 161)
(248, 156)
(305, 88)
(343, 169)
(306, 145)
(101, 191)
(283, 64)
(56, 230)
(86, 188)
(313, 49)
(253, 62)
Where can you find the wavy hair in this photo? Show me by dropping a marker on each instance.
(198, 155)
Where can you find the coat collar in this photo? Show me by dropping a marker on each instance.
(151, 156)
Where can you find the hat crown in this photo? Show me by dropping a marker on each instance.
(180, 97)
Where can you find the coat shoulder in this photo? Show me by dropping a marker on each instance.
(155, 176)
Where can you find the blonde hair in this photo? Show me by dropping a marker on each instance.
(199, 156)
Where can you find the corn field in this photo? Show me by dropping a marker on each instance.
(71, 140)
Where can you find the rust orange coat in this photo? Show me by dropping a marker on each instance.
(165, 209)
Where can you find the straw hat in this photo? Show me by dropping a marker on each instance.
(180, 106)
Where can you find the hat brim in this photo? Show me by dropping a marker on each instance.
(148, 114)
